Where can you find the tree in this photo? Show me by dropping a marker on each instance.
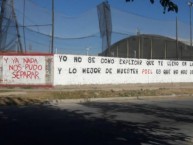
(166, 4)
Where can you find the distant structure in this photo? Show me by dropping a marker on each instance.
(145, 46)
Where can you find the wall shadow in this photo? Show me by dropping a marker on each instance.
(44, 124)
(176, 114)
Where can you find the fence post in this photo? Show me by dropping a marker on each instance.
(151, 41)
(117, 50)
(127, 48)
(165, 50)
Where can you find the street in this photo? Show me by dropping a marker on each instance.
(100, 122)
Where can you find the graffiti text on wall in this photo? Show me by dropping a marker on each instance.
(26, 68)
(101, 70)
(18, 68)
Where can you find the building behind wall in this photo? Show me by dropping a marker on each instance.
(151, 47)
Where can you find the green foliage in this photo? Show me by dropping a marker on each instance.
(166, 4)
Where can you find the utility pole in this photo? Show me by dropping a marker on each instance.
(52, 45)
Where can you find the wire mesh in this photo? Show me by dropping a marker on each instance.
(80, 34)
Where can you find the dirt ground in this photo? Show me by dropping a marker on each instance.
(126, 86)
(30, 95)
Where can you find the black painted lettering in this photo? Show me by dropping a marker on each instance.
(63, 58)
(78, 59)
(184, 72)
(158, 71)
(109, 71)
(59, 70)
(191, 63)
(91, 59)
(150, 62)
(91, 70)
(130, 61)
(72, 71)
(184, 63)
(191, 72)
(160, 63)
(123, 61)
(127, 71)
(172, 63)
(175, 72)
(107, 60)
(166, 71)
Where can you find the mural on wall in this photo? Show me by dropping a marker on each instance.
(23, 69)
(71, 69)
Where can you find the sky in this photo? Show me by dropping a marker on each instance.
(78, 18)
(139, 7)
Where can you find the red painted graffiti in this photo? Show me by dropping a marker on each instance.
(16, 67)
(25, 75)
(30, 60)
(33, 67)
(147, 71)
(24, 68)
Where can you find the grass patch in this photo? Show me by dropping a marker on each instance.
(38, 97)
(15, 101)
(6, 90)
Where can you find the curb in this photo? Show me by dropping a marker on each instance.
(115, 99)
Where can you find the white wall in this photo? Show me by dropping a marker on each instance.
(75, 70)
(23, 70)
(72, 69)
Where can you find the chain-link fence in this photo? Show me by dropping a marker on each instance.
(27, 27)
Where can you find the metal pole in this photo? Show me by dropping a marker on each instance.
(165, 50)
(190, 5)
(191, 25)
(151, 48)
(177, 54)
(127, 48)
(1, 21)
(52, 45)
(24, 26)
(17, 27)
(107, 32)
(117, 50)
(139, 47)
